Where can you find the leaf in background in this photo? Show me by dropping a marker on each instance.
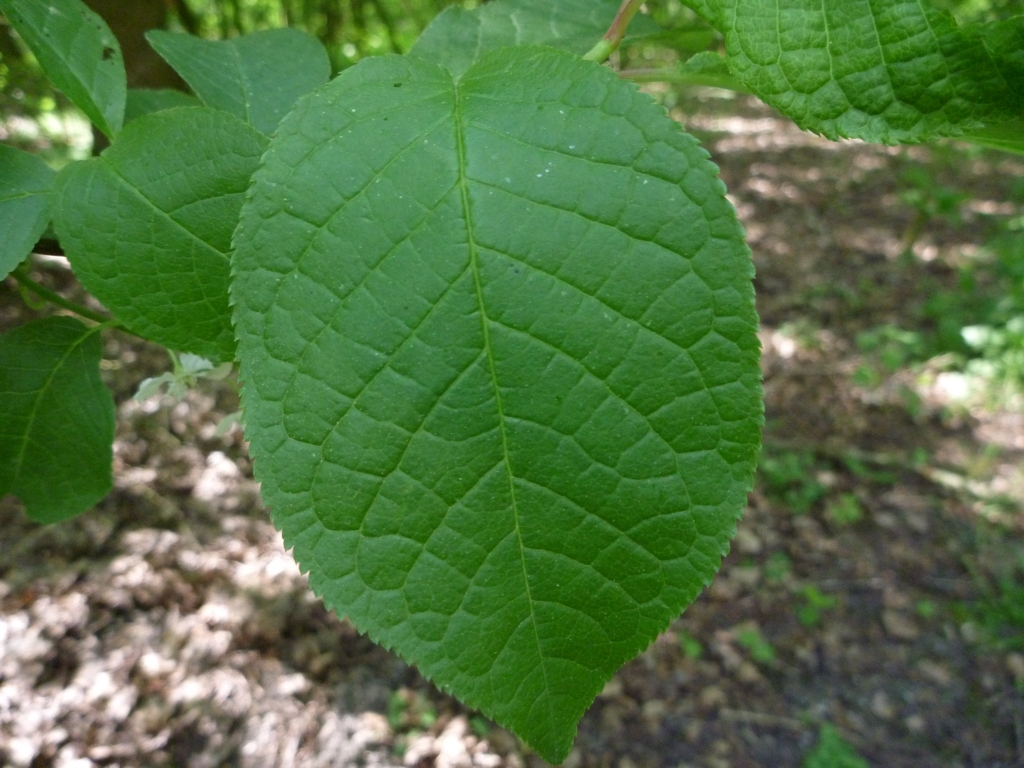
(78, 53)
(147, 225)
(688, 41)
(1008, 137)
(500, 369)
(144, 101)
(256, 77)
(25, 184)
(891, 72)
(56, 418)
(457, 37)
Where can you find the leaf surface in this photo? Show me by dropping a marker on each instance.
(144, 101)
(56, 418)
(892, 71)
(147, 225)
(457, 37)
(78, 53)
(500, 369)
(256, 77)
(25, 183)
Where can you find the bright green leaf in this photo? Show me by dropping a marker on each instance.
(500, 369)
(256, 77)
(889, 72)
(78, 52)
(457, 37)
(143, 101)
(56, 418)
(147, 225)
(25, 183)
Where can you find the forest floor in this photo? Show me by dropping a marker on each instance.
(874, 583)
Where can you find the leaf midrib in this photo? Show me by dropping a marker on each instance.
(460, 145)
(140, 195)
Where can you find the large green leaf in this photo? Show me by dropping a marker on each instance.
(147, 225)
(257, 77)
(880, 70)
(25, 183)
(501, 374)
(78, 52)
(457, 37)
(56, 418)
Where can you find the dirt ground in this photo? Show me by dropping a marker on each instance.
(168, 627)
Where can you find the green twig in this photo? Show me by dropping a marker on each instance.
(607, 45)
(21, 276)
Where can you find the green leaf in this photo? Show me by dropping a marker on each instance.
(1008, 136)
(500, 369)
(256, 77)
(56, 418)
(884, 71)
(457, 37)
(706, 9)
(143, 101)
(147, 225)
(25, 183)
(78, 52)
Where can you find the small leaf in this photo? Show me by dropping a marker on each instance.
(891, 72)
(500, 369)
(25, 184)
(147, 225)
(153, 386)
(143, 101)
(56, 418)
(457, 37)
(228, 423)
(78, 53)
(194, 365)
(705, 63)
(257, 77)
(219, 373)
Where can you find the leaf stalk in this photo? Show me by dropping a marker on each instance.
(613, 37)
(20, 274)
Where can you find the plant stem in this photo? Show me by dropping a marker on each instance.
(607, 45)
(20, 274)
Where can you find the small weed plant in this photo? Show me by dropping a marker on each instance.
(491, 308)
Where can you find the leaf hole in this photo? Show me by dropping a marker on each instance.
(398, 85)
(108, 54)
